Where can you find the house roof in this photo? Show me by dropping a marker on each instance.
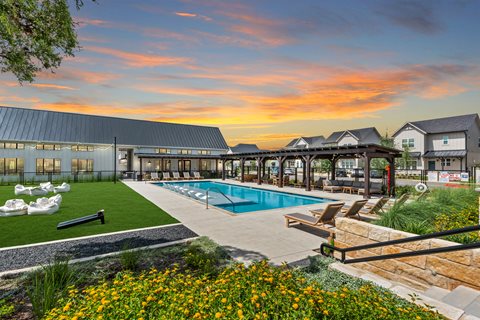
(448, 124)
(313, 142)
(18, 124)
(445, 154)
(245, 147)
(359, 134)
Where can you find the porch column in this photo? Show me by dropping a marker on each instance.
(304, 168)
(242, 170)
(141, 166)
(366, 186)
(223, 170)
(306, 172)
(216, 166)
(259, 171)
(391, 186)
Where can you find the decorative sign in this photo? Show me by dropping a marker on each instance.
(454, 176)
(464, 176)
(432, 176)
(444, 176)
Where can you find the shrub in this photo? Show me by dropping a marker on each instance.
(47, 285)
(459, 219)
(399, 190)
(129, 258)
(205, 256)
(6, 308)
(259, 291)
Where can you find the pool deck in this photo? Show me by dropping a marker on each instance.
(248, 236)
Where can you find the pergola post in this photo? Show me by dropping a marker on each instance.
(141, 167)
(366, 170)
(306, 172)
(391, 178)
(334, 163)
(304, 168)
(224, 173)
(280, 171)
(242, 170)
(259, 170)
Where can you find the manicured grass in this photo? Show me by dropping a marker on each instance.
(124, 209)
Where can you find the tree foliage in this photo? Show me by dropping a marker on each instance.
(378, 163)
(35, 35)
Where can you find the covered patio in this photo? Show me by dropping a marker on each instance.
(367, 152)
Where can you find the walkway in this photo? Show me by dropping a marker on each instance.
(249, 236)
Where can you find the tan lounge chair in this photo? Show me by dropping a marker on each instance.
(154, 176)
(176, 176)
(328, 186)
(196, 175)
(166, 176)
(353, 211)
(187, 176)
(325, 219)
(397, 202)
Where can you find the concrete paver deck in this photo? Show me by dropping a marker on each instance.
(248, 236)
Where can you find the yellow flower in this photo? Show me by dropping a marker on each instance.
(325, 312)
(218, 315)
(224, 300)
(295, 306)
(240, 313)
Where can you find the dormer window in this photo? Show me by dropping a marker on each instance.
(445, 140)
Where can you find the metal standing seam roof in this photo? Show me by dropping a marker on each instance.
(245, 147)
(445, 154)
(313, 142)
(449, 124)
(18, 124)
(361, 134)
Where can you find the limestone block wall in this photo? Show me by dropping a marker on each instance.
(446, 270)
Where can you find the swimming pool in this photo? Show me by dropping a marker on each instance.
(245, 199)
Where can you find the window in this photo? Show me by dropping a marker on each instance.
(11, 165)
(11, 145)
(445, 162)
(204, 152)
(48, 147)
(348, 163)
(80, 147)
(204, 165)
(409, 165)
(408, 143)
(185, 151)
(163, 150)
(445, 140)
(82, 165)
(48, 166)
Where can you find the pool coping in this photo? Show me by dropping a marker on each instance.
(231, 184)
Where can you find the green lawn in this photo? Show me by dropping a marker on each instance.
(124, 209)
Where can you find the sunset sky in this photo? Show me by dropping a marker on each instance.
(267, 71)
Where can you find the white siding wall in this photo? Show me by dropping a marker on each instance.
(347, 140)
(456, 141)
(411, 133)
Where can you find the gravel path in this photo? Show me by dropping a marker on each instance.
(32, 256)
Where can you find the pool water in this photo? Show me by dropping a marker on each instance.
(245, 199)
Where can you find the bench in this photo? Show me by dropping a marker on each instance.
(70, 223)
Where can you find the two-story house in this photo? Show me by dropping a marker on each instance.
(303, 143)
(451, 143)
(351, 138)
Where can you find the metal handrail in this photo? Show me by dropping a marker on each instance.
(220, 191)
(459, 247)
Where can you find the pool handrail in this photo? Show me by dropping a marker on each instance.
(220, 191)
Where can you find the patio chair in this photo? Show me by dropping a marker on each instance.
(197, 175)
(176, 176)
(166, 176)
(187, 176)
(374, 212)
(154, 176)
(325, 220)
(354, 210)
(328, 186)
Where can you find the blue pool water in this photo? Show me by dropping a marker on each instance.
(245, 199)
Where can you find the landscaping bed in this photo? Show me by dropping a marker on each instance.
(124, 210)
(197, 281)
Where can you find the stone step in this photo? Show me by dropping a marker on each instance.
(461, 297)
(474, 308)
(469, 317)
(351, 271)
(436, 292)
(443, 308)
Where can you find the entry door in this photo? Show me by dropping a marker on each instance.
(431, 165)
(184, 165)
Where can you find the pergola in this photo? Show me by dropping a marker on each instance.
(367, 152)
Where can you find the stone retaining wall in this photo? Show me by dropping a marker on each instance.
(446, 270)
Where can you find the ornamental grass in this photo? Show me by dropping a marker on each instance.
(260, 291)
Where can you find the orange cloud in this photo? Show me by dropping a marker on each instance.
(51, 86)
(139, 60)
(186, 14)
(84, 76)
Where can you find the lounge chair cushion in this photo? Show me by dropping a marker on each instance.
(347, 183)
(327, 182)
(335, 183)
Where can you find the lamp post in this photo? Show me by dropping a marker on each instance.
(115, 160)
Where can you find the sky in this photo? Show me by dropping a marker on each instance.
(266, 71)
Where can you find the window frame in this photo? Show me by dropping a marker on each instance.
(89, 165)
(55, 161)
(408, 142)
(163, 150)
(445, 140)
(82, 148)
